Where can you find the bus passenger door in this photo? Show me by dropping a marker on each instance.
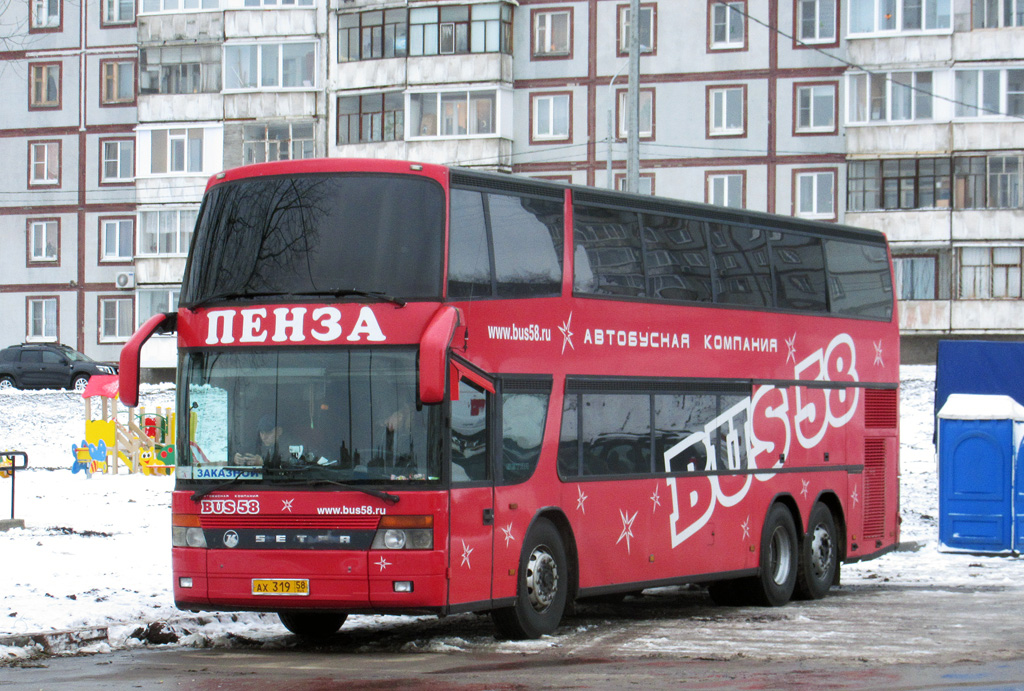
(471, 501)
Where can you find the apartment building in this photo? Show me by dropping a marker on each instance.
(67, 200)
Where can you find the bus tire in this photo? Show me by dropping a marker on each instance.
(312, 625)
(542, 589)
(819, 556)
(773, 585)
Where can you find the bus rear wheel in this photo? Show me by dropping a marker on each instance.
(312, 625)
(819, 557)
(543, 586)
(774, 584)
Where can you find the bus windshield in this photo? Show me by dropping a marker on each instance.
(287, 416)
(318, 234)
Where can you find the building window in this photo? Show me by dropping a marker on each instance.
(882, 16)
(118, 161)
(280, 142)
(117, 237)
(372, 35)
(118, 11)
(815, 194)
(994, 14)
(647, 29)
(915, 277)
(44, 85)
(176, 151)
(726, 189)
(727, 20)
(180, 70)
(273, 4)
(117, 319)
(166, 233)
(986, 93)
(44, 14)
(726, 111)
(453, 114)
(118, 82)
(551, 115)
(155, 6)
(989, 182)
(44, 163)
(154, 301)
(897, 96)
(904, 183)
(452, 29)
(815, 106)
(645, 183)
(270, 66)
(43, 240)
(990, 273)
(552, 33)
(371, 118)
(816, 21)
(42, 319)
(645, 123)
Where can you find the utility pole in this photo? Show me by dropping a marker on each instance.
(633, 97)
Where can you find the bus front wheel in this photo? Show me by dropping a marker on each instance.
(542, 589)
(819, 557)
(312, 625)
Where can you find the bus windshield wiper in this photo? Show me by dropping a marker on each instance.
(349, 292)
(379, 494)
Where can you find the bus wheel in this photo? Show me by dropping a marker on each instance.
(773, 586)
(819, 557)
(312, 625)
(543, 587)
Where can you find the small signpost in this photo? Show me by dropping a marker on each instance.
(10, 463)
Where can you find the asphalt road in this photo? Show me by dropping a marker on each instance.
(871, 636)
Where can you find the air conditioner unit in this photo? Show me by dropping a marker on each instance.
(125, 280)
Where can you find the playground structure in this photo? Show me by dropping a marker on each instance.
(10, 463)
(132, 438)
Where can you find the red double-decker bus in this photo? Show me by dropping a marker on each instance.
(409, 388)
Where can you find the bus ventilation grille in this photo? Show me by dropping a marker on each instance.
(881, 408)
(874, 488)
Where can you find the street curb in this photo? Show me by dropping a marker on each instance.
(55, 642)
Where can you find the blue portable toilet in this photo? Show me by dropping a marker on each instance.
(981, 494)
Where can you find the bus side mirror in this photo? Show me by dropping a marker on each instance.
(434, 353)
(128, 369)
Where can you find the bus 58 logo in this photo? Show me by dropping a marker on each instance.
(230, 506)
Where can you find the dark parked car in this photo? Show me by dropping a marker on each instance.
(48, 366)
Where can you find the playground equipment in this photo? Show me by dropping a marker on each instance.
(10, 463)
(138, 440)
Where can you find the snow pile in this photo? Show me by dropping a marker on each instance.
(95, 552)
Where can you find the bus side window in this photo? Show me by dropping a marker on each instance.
(469, 264)
(569, 440)
(860, 284)
(611, 239)
(799, 272)
(522, 432)
(676, 259)
(469, 435)
(742, 272)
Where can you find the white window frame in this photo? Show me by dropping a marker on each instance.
(890, 16)
(178, 6)
(726, 188)
(40, 172)
(726, 15)
(113, 234)
(44, 239)
(43, 311)
(823, 15)
(441, 98)
(46, 14)
(1002, 10)
(646, 119)
(871, 97)
(118, 11)
(914, 275)
(544, 32)
(115, 324)
(267, 82)
(811, 93)
(122, 158)
(546, 109)
(183, 222)
(720, 111)
(646, 38)
(181, 153)
(815, 180)
(980, 98)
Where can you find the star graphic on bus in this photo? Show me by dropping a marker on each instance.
(287, 505)
(466, 551)
(383, 564)
(746, 528)
(853, 495)
(655, 499)
(806, 486)
(566, 329)
(627, 528)
(791, 346)
(878, 354)
(581, 500)
(509, 537)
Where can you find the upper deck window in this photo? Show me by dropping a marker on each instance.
(319, 234)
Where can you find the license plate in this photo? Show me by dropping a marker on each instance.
(280, 586)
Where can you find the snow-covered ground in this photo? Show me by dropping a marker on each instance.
(95, 551)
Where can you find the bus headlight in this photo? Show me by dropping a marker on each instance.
(182, 536)
(404, 532)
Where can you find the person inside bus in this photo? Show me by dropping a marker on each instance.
(276, 450)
